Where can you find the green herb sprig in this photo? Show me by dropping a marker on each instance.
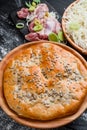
(28, 4)
(37, 1)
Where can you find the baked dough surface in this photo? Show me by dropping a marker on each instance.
(44, 81)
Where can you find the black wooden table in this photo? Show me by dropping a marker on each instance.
(11, 38)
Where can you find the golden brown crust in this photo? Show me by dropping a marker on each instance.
(44, 82)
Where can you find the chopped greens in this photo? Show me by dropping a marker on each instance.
(56, 37)
(74, 26)
(34, 4)
(28, 4)
(32, 8)
(20, 25)
(60, 36)
(36, 21)
(36, 1)
(53, 37)
(38, 27)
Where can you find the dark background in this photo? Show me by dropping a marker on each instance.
(10, 38)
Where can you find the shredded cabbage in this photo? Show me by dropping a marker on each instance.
(77, 14)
